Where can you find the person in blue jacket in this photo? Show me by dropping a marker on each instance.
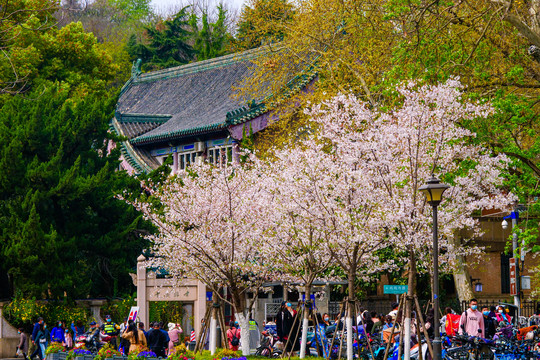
(78, 329)
(57, 333)
(37, 326)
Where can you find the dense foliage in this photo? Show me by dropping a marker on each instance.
(63, 233)
(23, 312)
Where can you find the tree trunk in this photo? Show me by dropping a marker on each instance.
(462, 279)
(305, 323)
(243, 320)
(349, 316)
(213, 331)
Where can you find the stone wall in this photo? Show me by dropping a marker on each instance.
(9, 339)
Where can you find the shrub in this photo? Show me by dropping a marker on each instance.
(166, 311)
(118, 309)
(106, 352)
(226, 353)
(180, 352)
(141, 355)
(22, 312)
(54, 347)
(80, 351)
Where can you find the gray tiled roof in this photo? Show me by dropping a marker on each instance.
(198, 96)
(134, 129)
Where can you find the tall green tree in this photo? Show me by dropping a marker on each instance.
(211, 38)
(168, 43)
(62, 231)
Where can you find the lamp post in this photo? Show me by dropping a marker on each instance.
(514, 215)
(433, 190)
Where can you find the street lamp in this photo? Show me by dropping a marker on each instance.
(514, 216)
(478, 286)
(434, 190)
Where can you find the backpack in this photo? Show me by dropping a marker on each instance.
(235, 341)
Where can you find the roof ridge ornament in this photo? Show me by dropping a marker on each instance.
(136, 68)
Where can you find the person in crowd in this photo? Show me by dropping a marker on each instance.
(254, 334)
(472, 321)
(57, 333)
(430, 322)
(35, 330)
(175, 335)
(135, 336)
(503, 319)
(110, 328)
(68, 339)
(489, 323)
(387, 328)
(94, 335)
(42, 339)
(156, 340)
(319, 340)
(22, 347)
(285, 329)
(492, 311)
(393, 313)
(233, 336)
(167, 338)
(365, 324)
(284, 321)
(326, 319)
(451, 323)
(78, 329)
(378, 323)
(141, 327)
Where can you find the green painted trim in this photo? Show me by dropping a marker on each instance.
(134, 118)
(126, 86)
(173, 134)
(128, 151)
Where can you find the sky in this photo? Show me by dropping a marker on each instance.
(168, 6)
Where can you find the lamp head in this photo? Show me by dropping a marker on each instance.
(478, 287)
(433, 190)
(504, 224)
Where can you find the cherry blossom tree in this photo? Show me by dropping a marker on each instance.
(210, 223)
(325, 216)
(397, 151)
(308, 187)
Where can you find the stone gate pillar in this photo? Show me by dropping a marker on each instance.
(142, 301)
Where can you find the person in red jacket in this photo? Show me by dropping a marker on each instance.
(233, 337)
(452, 322)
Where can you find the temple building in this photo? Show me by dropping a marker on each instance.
(189, 112)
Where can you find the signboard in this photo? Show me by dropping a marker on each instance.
(513, 277)
(525, 283)
(396, 289)
(133, 313)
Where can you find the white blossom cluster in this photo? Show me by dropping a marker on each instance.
(334, 200)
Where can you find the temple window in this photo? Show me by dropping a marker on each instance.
(220, 155)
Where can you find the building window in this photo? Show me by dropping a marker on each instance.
(220, 155)
(185, 159)
(161, 159)
(505, 273)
